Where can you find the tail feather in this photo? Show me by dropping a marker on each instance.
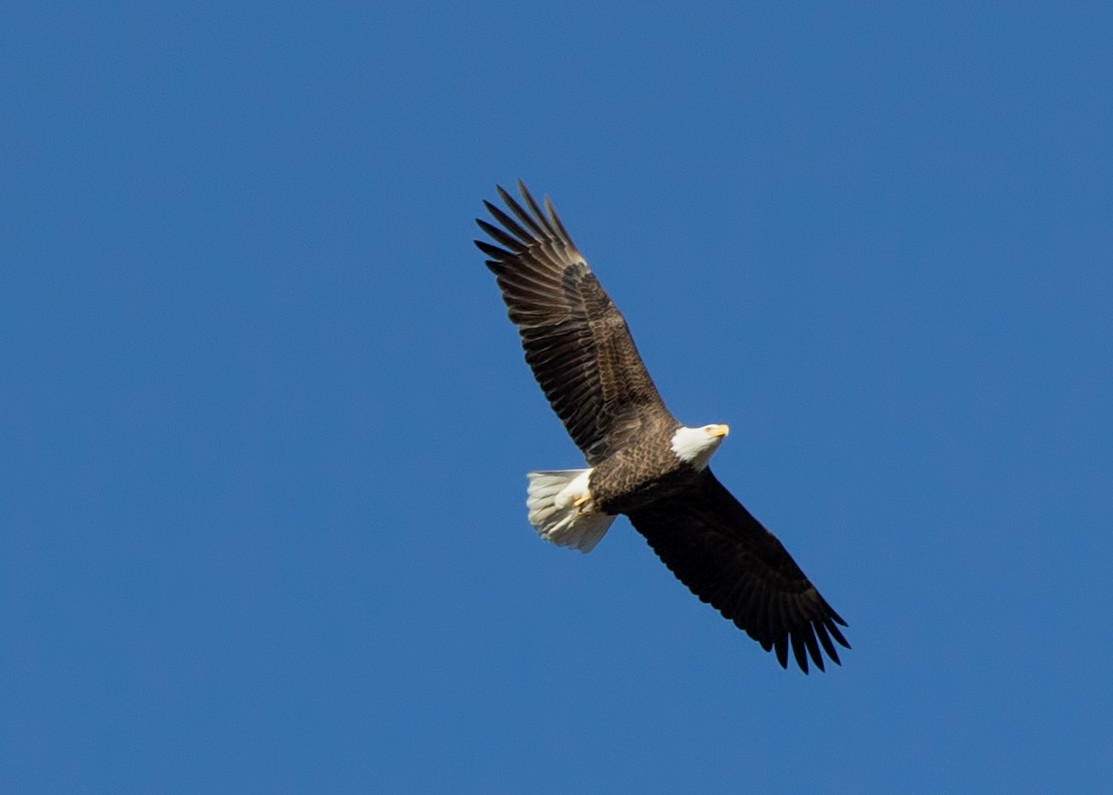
(561, 509)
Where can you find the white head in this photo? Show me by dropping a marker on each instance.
(695, 446)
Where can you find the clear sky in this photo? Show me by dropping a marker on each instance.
(265, 425)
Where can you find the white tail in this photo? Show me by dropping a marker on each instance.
(562, 511)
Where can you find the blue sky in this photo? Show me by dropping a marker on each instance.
(265, 425)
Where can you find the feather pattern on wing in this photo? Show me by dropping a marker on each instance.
(727, 558)
(575, 339)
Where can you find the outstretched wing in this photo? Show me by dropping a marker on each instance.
(729, 560)
(576, 340)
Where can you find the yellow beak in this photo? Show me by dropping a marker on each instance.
(719, 430)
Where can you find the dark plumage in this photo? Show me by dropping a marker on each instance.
(643, 462)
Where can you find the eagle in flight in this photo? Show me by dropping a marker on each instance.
(641, 461)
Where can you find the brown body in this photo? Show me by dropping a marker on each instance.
(641, 473)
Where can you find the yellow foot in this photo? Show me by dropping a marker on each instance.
(579, 501)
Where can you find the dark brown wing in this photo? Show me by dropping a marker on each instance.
(729, 560)
(576, 340)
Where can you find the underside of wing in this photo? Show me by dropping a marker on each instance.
(576, 340)
(726, 557)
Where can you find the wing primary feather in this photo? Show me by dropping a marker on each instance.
(500, 236)
(813, 647)
(787, 617)
(780, 643)
(529, 200)
(556, 220)
(825, 640)
(494, 252)
(835, 633)
(523, 216)
(524, 237)
(798, 650)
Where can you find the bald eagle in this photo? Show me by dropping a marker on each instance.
(641, 461)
